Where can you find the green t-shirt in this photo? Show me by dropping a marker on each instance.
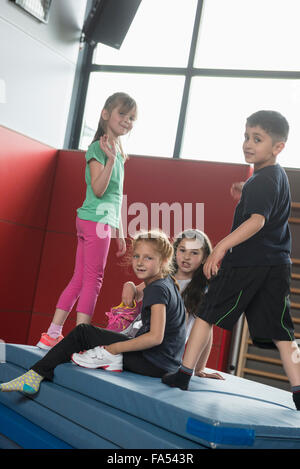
(107, 208)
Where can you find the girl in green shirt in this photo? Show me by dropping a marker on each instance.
(98, 216)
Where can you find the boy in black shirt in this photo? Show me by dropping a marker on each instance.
(254, 277)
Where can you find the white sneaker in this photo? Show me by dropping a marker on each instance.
(98, 357)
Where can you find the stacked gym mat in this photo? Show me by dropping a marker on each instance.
(88, 409)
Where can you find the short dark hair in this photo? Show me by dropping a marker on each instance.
(272, 122)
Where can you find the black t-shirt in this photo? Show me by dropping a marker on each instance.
(169, 353)
(267, 193)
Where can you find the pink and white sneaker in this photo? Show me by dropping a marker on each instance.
(99, 357)
(46, 342)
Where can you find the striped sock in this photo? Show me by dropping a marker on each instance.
(296, 388)
(29, 383)
(179, 379)
(187, 370)
(296, 396)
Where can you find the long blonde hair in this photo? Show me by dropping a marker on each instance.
(117, 99)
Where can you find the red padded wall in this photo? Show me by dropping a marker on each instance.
(58, 258)
(41, 189)
(147, 180)
(160, 179)
(27, 171)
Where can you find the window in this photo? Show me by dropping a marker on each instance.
(249, 35)
(197, 69)
(217, 112)
(158, 98)
(159, 36)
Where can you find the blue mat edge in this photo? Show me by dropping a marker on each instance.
(27, 434)
(51, 396)
(67, 371)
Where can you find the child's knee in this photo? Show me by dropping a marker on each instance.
(82, 327)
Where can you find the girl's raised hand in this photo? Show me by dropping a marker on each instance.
(108, 148)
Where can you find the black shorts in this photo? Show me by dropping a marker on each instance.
(261, 292)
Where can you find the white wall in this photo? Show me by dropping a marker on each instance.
(37, 67)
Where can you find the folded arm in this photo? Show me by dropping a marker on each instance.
(148, 340)
(132, 292)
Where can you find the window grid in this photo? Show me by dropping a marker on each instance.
(188, 73)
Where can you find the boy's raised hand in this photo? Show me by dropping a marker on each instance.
(236, 190)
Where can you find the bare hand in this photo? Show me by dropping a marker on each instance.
(121, 247)
(128, 293)
(112, 348)
(213, 261)
(108, 148)
(203, 374)
(236, 190)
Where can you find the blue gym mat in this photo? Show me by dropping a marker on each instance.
(26, 434)
(132, 411)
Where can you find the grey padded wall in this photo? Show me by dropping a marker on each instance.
(37, 67)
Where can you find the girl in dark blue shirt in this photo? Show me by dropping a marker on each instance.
(158, 346)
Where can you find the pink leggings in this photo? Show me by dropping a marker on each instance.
(91, 256)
